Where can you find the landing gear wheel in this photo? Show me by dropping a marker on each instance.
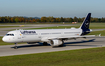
(61, 45)
(45, 43)
(15, 46)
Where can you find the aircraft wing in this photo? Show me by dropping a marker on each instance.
(71, 37)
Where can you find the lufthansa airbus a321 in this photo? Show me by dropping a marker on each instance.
(55, 37)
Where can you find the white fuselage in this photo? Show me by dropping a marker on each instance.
(18, 36)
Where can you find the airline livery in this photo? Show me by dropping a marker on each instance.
(55, 37)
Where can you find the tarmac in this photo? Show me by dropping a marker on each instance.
(39, 48)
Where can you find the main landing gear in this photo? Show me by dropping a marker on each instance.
(45, 43)
(15, 47)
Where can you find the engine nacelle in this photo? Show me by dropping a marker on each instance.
(56, 42)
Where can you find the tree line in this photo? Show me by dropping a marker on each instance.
(52, 19)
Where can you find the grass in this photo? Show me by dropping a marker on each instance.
(8, 26)
(83, 57)
(13, 26)
(56, 27)
(32, 23)
(92, 26)
(97, 33)
(97, 25)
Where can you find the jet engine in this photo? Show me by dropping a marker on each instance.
(56, 42)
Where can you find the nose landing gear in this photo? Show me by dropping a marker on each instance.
(15, 47)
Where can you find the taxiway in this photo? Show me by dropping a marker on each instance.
(39, 48)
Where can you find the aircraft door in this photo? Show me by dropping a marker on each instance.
(20, 37)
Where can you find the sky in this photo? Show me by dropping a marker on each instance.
(55, 8)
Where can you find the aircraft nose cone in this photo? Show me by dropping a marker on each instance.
(7, 39)
(4, 39)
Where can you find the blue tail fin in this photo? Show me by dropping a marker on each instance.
(85, 25)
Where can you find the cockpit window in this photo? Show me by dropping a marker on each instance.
(9, 34)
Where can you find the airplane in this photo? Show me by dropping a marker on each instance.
(55, 37)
